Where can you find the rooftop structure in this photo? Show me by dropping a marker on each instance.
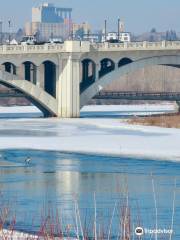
(113, 36)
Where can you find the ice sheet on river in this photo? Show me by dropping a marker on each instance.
(91, 135)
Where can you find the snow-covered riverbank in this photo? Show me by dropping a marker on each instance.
(110, 136)
(14, 235)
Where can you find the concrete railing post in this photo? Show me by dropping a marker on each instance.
(125, 45)
(163, 44)
(145, 44)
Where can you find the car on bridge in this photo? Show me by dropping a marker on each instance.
(28, 40)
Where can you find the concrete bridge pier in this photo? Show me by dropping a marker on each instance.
(98, 68)
(40, 76)
(177, 106)
(20, 71)
(68, 82)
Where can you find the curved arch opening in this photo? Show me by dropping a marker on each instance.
(124, 61)
(167, 60)
(107, 66)
(9, 67)
(50, 78)
(30, 72)
(88, 73)
(15, 92)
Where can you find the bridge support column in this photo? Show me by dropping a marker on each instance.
(98, 68)
(40, 76)
(20, 71)
(2, 67)
(178, 106)
(68, 86)
(116, 66)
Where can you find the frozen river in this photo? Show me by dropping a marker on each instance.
(54, 179)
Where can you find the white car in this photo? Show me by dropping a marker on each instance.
(28, 40)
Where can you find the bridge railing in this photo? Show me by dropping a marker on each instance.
(129, 95)
(136, 46)
(67, 46)
(84, 46)
(137, 93)
(9, 49)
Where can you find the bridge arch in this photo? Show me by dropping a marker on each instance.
(30, 71)
(9, 67)
(107, 66)
(88, 73)
(45, 102)
(124, 61)
(50, 77)
(99, 84)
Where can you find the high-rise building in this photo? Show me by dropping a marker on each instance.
(48, 13)
(49, 21)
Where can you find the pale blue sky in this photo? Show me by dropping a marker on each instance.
(139, 15)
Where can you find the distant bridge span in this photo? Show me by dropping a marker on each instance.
(120, 71)
(60, 79)
(157, 96)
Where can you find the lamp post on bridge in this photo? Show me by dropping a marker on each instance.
(118, 28)
(9, 24)
(1, 32)
(105, 30)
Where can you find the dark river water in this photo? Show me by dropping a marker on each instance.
(86, 187)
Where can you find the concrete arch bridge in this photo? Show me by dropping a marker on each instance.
(60, 79)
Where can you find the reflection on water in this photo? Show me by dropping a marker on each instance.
(57, 179)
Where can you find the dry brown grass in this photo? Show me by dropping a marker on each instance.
(166, 121)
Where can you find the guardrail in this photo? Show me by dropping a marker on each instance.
(169, 96)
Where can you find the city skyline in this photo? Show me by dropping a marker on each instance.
(139, 17)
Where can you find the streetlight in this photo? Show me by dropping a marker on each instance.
(118, 28)
(9, 23)
(1, 37)
(105, 29)
(88, 34)
(72, 31)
